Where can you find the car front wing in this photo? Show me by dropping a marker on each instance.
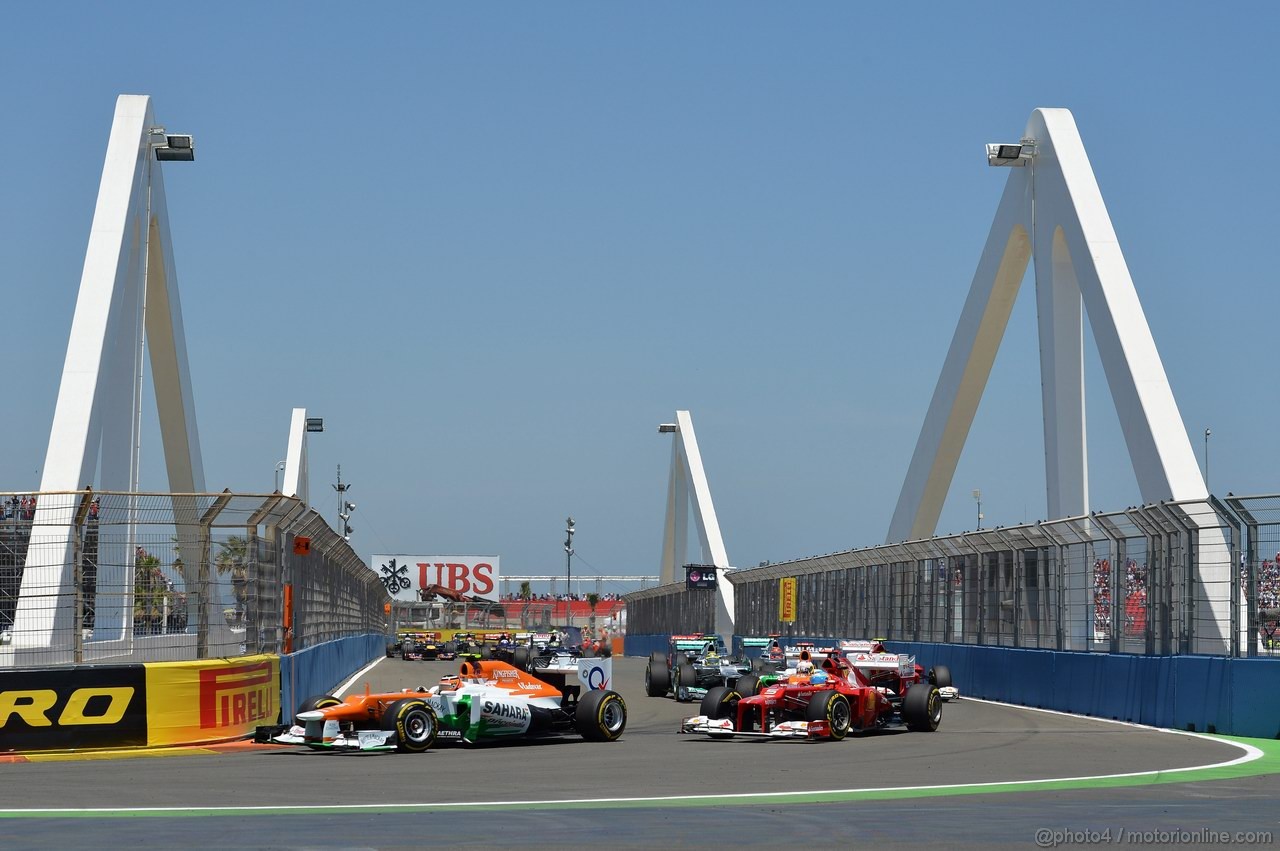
(724, 728)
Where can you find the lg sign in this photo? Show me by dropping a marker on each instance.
(475, 576)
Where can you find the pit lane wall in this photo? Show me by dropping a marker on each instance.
(137, 705)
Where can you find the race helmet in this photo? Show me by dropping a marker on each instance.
(804, 666)
(818, 678)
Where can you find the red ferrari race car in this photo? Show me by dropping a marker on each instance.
(826, 702)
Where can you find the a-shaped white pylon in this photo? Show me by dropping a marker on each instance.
(1052, 211)
(128, 296)
(296, 469)
(688, 478)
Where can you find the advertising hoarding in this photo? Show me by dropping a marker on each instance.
(699, 576)
(405, 575)
(787, 600)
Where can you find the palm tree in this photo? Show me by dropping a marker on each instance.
(233, 558)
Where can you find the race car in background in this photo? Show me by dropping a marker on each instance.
(486, 701)
(412, 648)
(693, 664)
(894, 671)
(867, 654)
(826, 702)
(877, 662)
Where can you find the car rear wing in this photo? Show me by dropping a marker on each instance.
(900, 662)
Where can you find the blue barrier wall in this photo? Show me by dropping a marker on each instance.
(643, 645)
(321, 669)
(1201, 693)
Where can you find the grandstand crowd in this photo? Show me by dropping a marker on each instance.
(559, 598)
(1135, 598)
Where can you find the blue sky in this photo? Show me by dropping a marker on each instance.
(494, 245)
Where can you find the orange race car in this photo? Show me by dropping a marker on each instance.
(487, 700)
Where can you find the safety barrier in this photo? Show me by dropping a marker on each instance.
(1200, 693)
(138, 705)
(322, 668)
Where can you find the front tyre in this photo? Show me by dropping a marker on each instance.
(922, 708)
(685, 679)
(749, 685)
(601, 716)
(720, 702)
(414, 722)
(832, 707)
(319, 701)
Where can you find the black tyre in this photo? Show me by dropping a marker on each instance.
(520, 658)
(486, 652)
(940, 676)
(832, 707)
(601, 716)
(657, 679)
(922, 708)
(415, 724)
(319, 701)
(748, 685)
(658, 659)
(685, 677)
(720, 702)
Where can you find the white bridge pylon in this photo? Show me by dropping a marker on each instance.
(688, 481)
(1052, 212)
(127, 307)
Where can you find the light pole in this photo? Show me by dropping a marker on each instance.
(977, 496)
(1207, 432)
(280, 465)
(568, 570)
(344, 508)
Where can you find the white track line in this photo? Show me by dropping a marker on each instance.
(360, 673)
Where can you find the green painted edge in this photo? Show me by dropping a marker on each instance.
(1268, 763)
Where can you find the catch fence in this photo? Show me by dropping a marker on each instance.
(98, 577)
(1171, 578)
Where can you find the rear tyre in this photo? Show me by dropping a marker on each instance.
(686, 678)
(748, 685)
(520, 658)
(414, 722)
(658, 658)
(657, 679)
(319, 701)
(486, 652)
(940, 676)
(922, 708)
(832, 707)
(601, 716)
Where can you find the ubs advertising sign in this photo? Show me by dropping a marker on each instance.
(404, 576)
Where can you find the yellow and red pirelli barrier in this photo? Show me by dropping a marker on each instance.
(137, 705)
(210, 700)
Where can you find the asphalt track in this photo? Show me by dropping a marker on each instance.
(979, 781)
